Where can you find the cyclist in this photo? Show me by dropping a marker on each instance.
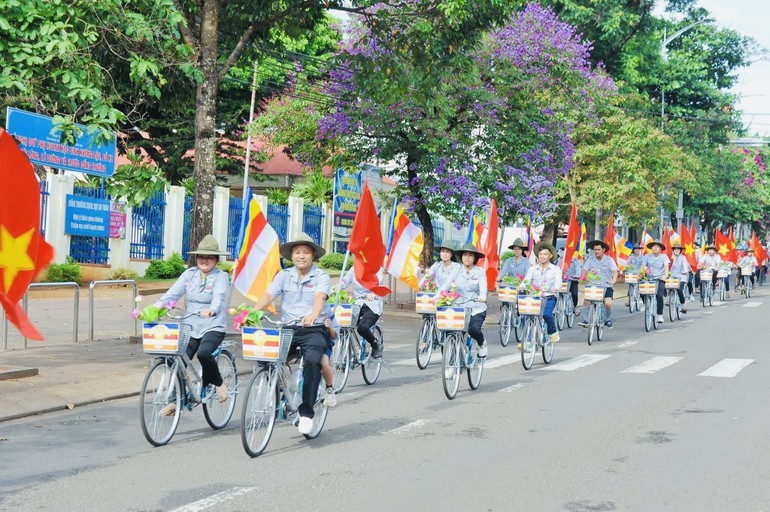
(547, 277)
(607, 270)
(371, 309)
(635, 258)
(443, 270)
(471, 283)
(680, 269)
(749, 260)
(711, 261)
(304, 289)
(518, 264)
(657, 265)
(205, 289)
(573, 275)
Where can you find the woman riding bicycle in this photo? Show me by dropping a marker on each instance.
(205, 288)
(443, 270)
(518, 264)
(657, 265)
(680, 269)
(471, 283)
(371, 309)
(749, 260)
(304, 289)
(547, 277)
(711, 261)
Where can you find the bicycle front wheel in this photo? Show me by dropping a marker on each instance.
(506, 314)
(599, 322)
(320, 411)
(672, 305)
(570, 312)
(260, 407)
(451, 364)
(475, 365)
(591, 323)
(560, 312)
(518, 325)
(631, 302)
(648, 313)
(371, 367)
(218, 413)
(160, 403)
(424, 343)
(529, 344)
(340, 362)
(548, 347)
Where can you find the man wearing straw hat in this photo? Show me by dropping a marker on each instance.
(657, 265)
(304, 289)
(607, 270)
(205, 288)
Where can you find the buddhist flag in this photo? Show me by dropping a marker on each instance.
(257, 257)
(404, 248)
(573, 238)
(610, 238)
(366, 244)
(702, 242)
(667, 242)
(689, 247)
(646, 239)
(488, 245)
(475, 230)
(623, 248)
(581, 246)
(23, 251)
(674, 237)
(722, 244)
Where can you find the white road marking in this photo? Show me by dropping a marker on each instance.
(410, 361)
(406, 428)
(653, 365)
(708, 312)
(663, 330)
(627, 344)
(577, 362)
(502, 361)
(688, 321)
(520, 385)
(399, 345)
(752, 304)
(726, 368)
(214, 500)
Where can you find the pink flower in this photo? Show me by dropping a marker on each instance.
(135, 313)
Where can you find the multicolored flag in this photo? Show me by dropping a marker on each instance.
(674, 237)
(24, 253)
(623, 248)
(581, 246)
(573, 238)
(609, 239)
(475, 230)
(646, 239)
(366, 244)
(488, 245)
(404, 248)
(257, 257)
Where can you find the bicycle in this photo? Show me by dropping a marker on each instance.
(723, 274)
(707, 287)
(649, 290)
(428, 338)
(634, 298)
(350, 352)
(761, 276)
(564, 312)
(595, 312)
(510, 320)
(461, 352)
(274, 392)
(173, 382)
(535, 332)
(746, 276)
(674, 304)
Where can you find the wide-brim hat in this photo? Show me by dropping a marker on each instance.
(655, 242)
(749, 250)
(545, 245)
(594, 243)
(446, 246)
(302, 239)
(469, 248)
(209, 247)
(677, 246)
(710, 247)
(518, 243)
(638, 246)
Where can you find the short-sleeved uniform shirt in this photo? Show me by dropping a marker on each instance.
(604, 268)
(201, 292)
(298, 294)
(656, 265)
(470, 284)
(514, 268)
(548, 279)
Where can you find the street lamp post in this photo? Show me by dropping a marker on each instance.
(664, 54)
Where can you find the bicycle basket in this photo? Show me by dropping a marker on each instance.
(594, 292)
(706, 275)
(506, 293)
(648, 287)
(531, 305)
(672, 283)
(747, 271)
(632, 278)
(262, 344)
(347, 314)
(163, 338)
(723, 272)
(452, 319)
(424, 303)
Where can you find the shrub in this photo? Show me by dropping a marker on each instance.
(286, 263)
(333, 261)
(63, 272)
(122, 273)
(166, 269)
(504, 256)
(225, 266)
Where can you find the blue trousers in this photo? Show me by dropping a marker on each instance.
(550, 322)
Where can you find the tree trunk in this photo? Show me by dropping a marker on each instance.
(550, 230)
(204, 174)
(422, 214)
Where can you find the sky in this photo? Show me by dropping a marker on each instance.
(750, 18)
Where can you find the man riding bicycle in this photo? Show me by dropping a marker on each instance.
(607, 270)
(304, 289)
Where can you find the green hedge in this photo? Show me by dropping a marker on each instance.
(63, 272)
(166, 269)
(333, 261)
(505, 256)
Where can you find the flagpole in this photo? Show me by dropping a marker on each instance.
(344, 267)
(248, 137)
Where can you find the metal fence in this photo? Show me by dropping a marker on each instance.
(186, 227)
(438, 229)
(278, 218)
(89, 249)
(234, 216)
(43, 205)
(312, 222)
(147, 230)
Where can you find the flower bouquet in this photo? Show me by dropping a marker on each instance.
(447, 298)
(530, 289)
(594, 290)
(514, 281)
(152, 314)
(591, 278)
(429, 284)
(344, 297)
(247, 316)
(631, 274)
(644, 273)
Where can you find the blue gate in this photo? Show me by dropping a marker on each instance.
(43, 205)
(186, 226)
(234, 216)
(89, 249)
(278, 218)
(312, 222)
(147, 230)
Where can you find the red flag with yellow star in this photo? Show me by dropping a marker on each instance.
(366, 244)
(23, 251)
(689, 247)
(573, 236)
(722, 243)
